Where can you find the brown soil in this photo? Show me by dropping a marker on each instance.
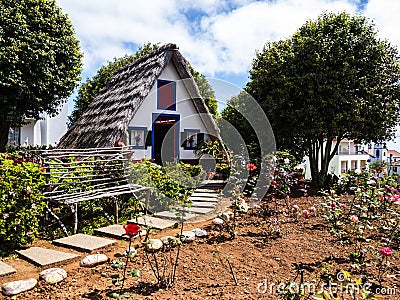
(256, 259)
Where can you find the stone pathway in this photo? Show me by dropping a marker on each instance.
(205, 200)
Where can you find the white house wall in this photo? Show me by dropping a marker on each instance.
(56, 126)
(189, 119)
(28, 133)
(46, 131)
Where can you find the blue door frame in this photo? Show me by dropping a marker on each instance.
(177, 132)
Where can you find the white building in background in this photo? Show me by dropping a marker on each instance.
(349, 156)
(380, 153)
(46, 131)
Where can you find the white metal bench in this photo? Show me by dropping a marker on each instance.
(77, 175)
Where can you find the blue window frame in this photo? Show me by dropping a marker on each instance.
(137, 137)
(166, 94)
(191, 138)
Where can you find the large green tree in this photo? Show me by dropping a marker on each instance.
(333, 79)
(40, 61)
(92, 86)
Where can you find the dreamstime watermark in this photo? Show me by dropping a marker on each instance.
(340, 287)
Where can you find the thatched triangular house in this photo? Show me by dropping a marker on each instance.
(152, 104)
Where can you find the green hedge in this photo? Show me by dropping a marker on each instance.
(21, 201)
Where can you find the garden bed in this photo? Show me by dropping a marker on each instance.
(260, 262)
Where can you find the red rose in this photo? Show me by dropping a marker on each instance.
(132, 229)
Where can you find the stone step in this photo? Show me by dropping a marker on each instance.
(6, 269)
(115, 231)
(84, 242)
(154, 222)
(203, 204)
(203, 199)
(205, 195)
(214, 188)
(201, 190)
(173, 215)
(43, 257)
(198, 210)
(213, 182)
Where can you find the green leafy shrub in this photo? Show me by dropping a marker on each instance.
(21, 202)
(215, 149)
(172, 183)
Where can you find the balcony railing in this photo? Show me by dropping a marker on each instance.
(351, 152)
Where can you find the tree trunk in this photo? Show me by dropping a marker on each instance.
(313, 156)
(319, 169)
(4, 128)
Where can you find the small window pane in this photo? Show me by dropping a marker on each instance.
(191, 138)
(14, 136)
(166, 95)
(137, 137)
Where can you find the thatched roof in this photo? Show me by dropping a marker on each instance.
(106, 119)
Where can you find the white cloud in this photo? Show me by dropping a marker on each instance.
(216, 36)
(385, 13)
(222, 38)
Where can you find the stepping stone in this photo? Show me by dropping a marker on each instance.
(114, 231)
(83, 242)
(17, 287)
(154, 222)
(45, 257)
(6, 269)
(200, 210)
(203, 204)
(172, 215)
(208, 199)
(53, 275)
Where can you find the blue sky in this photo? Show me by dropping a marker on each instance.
(218, 37)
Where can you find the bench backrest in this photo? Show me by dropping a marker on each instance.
(75, 175)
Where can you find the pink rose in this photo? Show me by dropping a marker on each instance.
(386, 251)
(305, 213)
(342, 205)
(296, 207)
(313, 209)
(354, 219)
(333, 204)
